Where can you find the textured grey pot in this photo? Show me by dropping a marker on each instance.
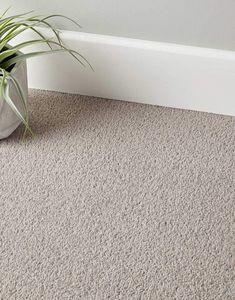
(8, 119)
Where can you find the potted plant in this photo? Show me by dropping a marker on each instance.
(13, 71)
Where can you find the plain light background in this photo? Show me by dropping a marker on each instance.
(206, 23)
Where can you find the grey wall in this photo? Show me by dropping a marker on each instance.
(209, 23)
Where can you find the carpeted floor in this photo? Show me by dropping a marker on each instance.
(116, 200)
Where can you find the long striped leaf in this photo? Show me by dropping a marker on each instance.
(7, 53)
(22, 57)
(16, 16)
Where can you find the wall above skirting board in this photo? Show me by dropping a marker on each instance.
(141, 71)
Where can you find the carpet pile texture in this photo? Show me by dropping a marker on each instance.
(117, 200)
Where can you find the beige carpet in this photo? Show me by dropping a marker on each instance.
(116, 200)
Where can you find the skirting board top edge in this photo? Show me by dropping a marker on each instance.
(146, 44)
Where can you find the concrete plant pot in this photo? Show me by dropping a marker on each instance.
(9, 121)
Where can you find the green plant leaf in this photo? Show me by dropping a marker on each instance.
(5, 12)
(16, 16)
(14, 50)
(21, 57)
(64, 17)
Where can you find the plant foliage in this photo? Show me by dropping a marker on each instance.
(10, 28)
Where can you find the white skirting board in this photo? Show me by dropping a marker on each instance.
(141, 71)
